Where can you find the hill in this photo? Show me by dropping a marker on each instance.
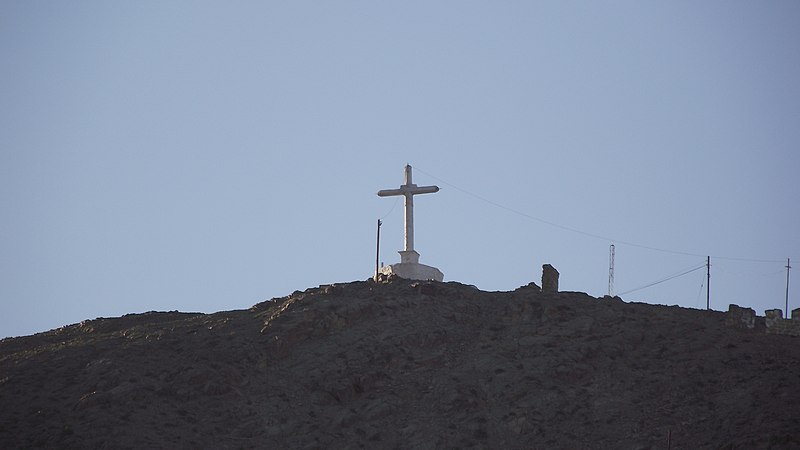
(405, 364)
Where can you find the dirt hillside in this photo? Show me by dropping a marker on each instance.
(405, 364)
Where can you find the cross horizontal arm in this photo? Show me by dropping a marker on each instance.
(424, 189)
(390, 192)
(405, 189)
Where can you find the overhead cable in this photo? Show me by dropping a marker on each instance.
(665, 279)
(592, 235)
(395, 204)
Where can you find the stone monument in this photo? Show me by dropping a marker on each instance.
(409, 266)
(549, 279)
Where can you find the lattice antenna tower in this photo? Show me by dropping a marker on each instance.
(611, 270)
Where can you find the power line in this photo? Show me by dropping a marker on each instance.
(665, 279)
(750, 274)
(592, 235)
(700, 291)
(395, 204)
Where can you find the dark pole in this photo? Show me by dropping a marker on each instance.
(708, 283)
(377, 250)
(788, 266)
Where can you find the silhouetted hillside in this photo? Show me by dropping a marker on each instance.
(405, 365)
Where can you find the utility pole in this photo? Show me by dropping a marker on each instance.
(788, 266)
(708, 283)
(611, 270)
(378, 250)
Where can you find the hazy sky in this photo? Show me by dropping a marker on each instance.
(206, 156)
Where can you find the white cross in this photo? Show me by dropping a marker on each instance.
(408, 190)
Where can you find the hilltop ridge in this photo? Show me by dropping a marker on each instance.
(404, 364)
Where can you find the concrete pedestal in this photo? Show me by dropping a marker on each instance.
(410, 268)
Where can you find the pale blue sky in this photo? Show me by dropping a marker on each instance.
(205, 156)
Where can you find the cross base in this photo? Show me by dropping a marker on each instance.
(411, 271)
(410, 268)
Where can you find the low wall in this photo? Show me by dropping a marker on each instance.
(776, 324)
(773, 321)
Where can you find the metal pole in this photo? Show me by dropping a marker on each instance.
(377, 250)
(708, 283)
(788, 266)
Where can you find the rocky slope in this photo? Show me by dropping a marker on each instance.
(405, 365)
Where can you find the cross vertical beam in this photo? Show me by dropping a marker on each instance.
(408, 204)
